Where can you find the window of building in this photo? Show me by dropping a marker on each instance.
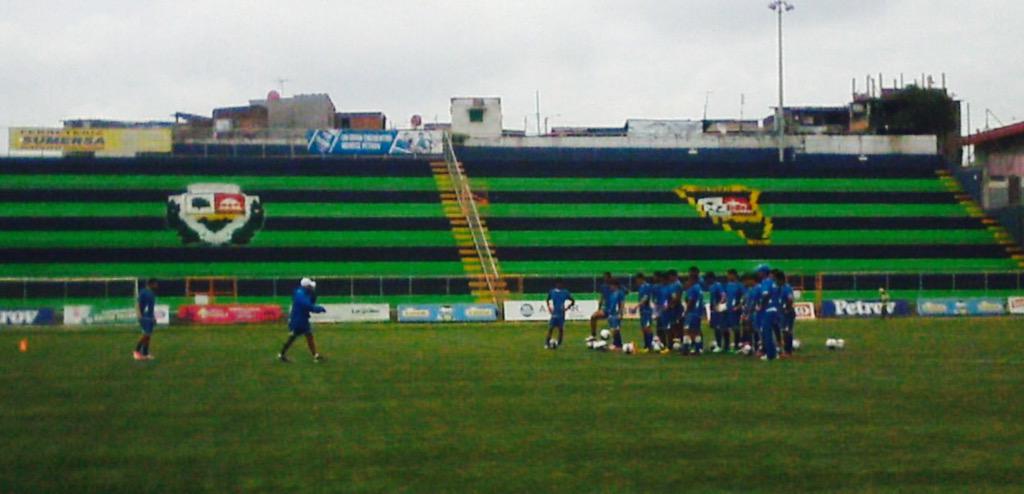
(476, 115)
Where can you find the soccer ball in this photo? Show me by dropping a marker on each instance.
(796, 344)
(677, 345)
(629, 348)
(606, 334)
(746, 349)
(553, 344)
(840, 344)
(831, 343)
(656, 345)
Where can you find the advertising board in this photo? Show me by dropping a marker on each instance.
(519, 310)
(353, 313)
(78, 315)
(26, 317)
(447, 313)
(863, 308)
(375, 142)
(945, 307)
(230, 313)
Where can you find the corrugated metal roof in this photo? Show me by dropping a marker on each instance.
(1010, 131)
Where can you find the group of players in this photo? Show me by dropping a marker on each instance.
(751, 314)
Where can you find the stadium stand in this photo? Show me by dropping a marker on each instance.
(586, 211)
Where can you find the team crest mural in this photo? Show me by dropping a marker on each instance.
(734, 208)
(215, 214)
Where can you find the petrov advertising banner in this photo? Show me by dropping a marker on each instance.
(538, 311)
(447, 313)
(78, 315)
(863, 308)
(375, 142)
(353, 313)
(26, 317)
(981, 306)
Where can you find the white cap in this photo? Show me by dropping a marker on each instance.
(308, 283)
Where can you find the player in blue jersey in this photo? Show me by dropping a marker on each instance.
(557, 298)
(733, 309)
(663, 325)
(601, 313)
(145, 309)
(787, 312)
(303, 304)
(645, 299)
(614, 307)
(748, 318)
(767, 311)
(674, 308)
(693, 302)
(717, 302)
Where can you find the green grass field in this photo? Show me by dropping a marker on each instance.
(911, 405)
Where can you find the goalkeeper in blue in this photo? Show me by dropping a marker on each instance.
(557, 298)
(303, 304)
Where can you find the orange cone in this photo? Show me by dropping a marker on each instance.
(23, 345)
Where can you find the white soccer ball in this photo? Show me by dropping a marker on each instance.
(677, 345)
(629, 348)
(831, 343)
(656, 345)
(552, 343)
(606, 334)
(840, 344)
(796, 344)
(746, 349)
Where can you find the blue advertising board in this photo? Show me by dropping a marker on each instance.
(26, 317)
(374, 142)
(863, 308)
(447, 313)
(945, 307)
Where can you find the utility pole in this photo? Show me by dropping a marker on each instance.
(781, 7)
(280, 83)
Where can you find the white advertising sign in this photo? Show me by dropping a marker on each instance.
(1016, 305)
(538, 310)
(77, 315)
(804, 311)
(353, 313)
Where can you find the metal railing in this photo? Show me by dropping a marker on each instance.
(467, 203)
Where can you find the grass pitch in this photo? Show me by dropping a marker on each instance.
(910, 405)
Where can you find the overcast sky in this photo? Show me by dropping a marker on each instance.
(595, 62)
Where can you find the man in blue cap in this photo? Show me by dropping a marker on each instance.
(303, 303)
(767, 310)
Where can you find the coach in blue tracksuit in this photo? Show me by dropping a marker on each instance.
(303, 304)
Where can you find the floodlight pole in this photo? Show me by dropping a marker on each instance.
(781, 7)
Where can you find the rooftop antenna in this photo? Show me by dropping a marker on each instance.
(707, 99)
(280, 83)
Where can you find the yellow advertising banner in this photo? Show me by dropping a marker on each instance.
(102, 141)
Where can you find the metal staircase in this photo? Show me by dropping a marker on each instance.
(479, 260)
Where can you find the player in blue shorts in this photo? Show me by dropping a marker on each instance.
(146, 310)
(303, 304)
(787, 312)
(660, 314)
(614, 308)
(693, 339)
(767, 311)
(645, 297)
(600, 314)
(748, 317)
(557, 298)
(717, 301)
(733, 309)
(674, 308)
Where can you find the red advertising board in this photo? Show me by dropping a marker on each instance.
(229, 314)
